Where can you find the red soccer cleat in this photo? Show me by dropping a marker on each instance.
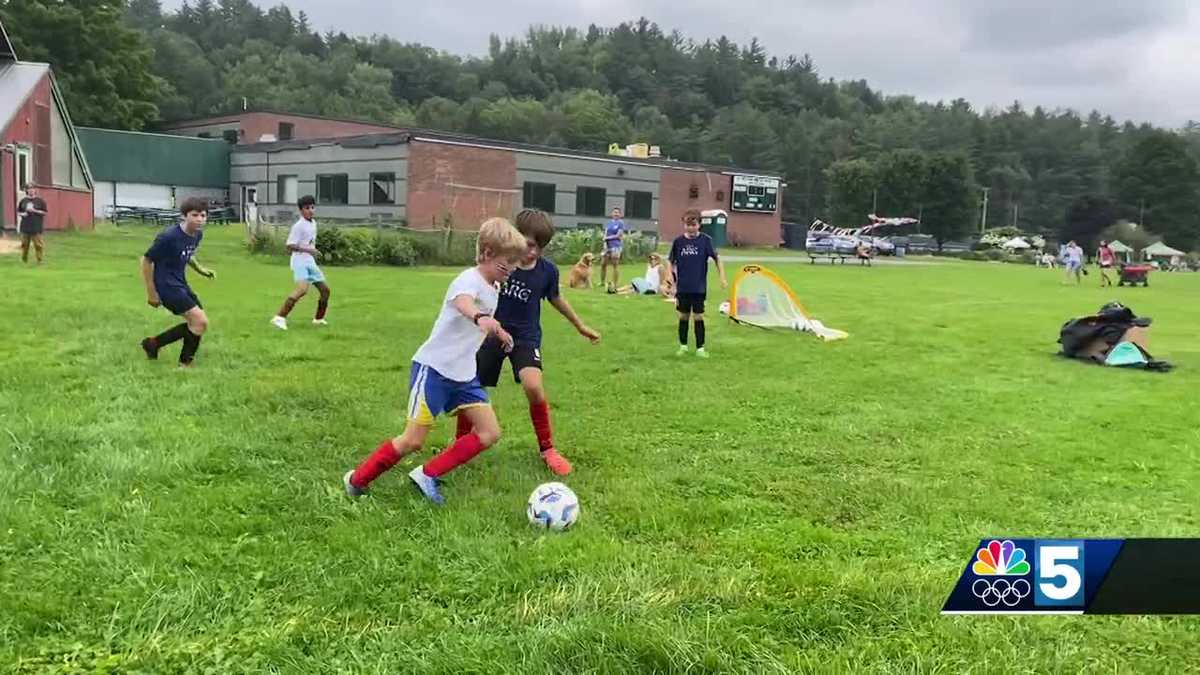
(557, 463)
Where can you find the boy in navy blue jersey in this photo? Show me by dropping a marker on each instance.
(519, 312)
(163, 271)
(689, 264)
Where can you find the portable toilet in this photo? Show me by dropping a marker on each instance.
(715, 223)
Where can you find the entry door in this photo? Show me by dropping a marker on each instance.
(21, 175)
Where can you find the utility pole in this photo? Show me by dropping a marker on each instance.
(1141, 213)
(983, 216)
(1016, 210)
(875, 202)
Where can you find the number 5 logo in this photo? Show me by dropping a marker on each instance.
(1059, 573)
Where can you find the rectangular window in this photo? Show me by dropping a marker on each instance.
(589, 201)
(286, 190)
(41, 150)
(230, 136)
(24, 176)
(383, 188)
(285, 131)
(539, 196)
(333, 189)
(638, 204)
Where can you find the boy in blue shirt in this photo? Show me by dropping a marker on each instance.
(614, 236)
(164, 273)
(689, 264)
(519, 312)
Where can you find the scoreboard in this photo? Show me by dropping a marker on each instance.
(756, 194)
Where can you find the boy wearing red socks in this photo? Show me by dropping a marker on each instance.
(520, 314)
(444, 379)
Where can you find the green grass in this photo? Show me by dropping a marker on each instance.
(785, 506)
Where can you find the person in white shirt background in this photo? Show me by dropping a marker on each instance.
(302, 242)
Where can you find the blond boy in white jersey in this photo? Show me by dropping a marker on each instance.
(444, 379)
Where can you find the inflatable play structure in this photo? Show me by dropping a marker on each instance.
(758, 297)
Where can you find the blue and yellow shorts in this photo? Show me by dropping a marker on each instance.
(430, 394)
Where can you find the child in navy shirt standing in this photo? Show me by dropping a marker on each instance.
(164, 273)
(519, 312)
(689, 264)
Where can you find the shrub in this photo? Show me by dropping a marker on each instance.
(346, 247)
(568, 245)
(994, 254)
(395, 249)
(264, 242)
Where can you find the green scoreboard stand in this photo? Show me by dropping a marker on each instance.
(756, 194)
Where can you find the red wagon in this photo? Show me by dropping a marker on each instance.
(1135, 274)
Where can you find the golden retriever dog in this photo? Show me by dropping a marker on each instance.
(581, 273)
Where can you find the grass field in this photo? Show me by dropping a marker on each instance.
(785, 506)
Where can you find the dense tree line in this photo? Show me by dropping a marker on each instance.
(843, 147)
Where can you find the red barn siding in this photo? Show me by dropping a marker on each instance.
(31, 126)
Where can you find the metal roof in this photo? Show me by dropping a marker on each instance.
(237, 114)
(158, 159)
(17, 81)
(407, 135)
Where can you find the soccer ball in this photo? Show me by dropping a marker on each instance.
(553, 506)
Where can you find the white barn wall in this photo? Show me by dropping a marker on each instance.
(146, 195)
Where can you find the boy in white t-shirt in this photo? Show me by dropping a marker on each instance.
(444, 378)
(302, 242)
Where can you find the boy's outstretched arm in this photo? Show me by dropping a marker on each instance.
(560, 303)
(721, 271)
(200, 269)
(466, 306)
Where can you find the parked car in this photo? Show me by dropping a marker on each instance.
(825, 242)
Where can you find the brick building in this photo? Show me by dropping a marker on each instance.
(428, 179)
(38, 145)
(257, 126)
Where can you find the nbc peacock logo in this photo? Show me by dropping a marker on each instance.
(1000, 559)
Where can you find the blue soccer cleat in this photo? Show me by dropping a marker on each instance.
(428, 485)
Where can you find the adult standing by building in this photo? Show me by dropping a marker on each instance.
(32, 212)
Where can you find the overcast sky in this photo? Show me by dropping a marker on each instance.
(1129, 58)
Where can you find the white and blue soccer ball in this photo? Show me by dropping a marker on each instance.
(553, 506)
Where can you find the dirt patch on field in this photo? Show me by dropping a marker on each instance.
(9, 246)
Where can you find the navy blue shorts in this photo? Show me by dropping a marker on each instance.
(489, 360)
(690, 302)
(179, 300)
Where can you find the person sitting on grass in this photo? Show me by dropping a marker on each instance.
(863, 253)
(656, 281)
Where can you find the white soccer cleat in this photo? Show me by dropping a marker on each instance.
(279, 322)
(320, 322)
